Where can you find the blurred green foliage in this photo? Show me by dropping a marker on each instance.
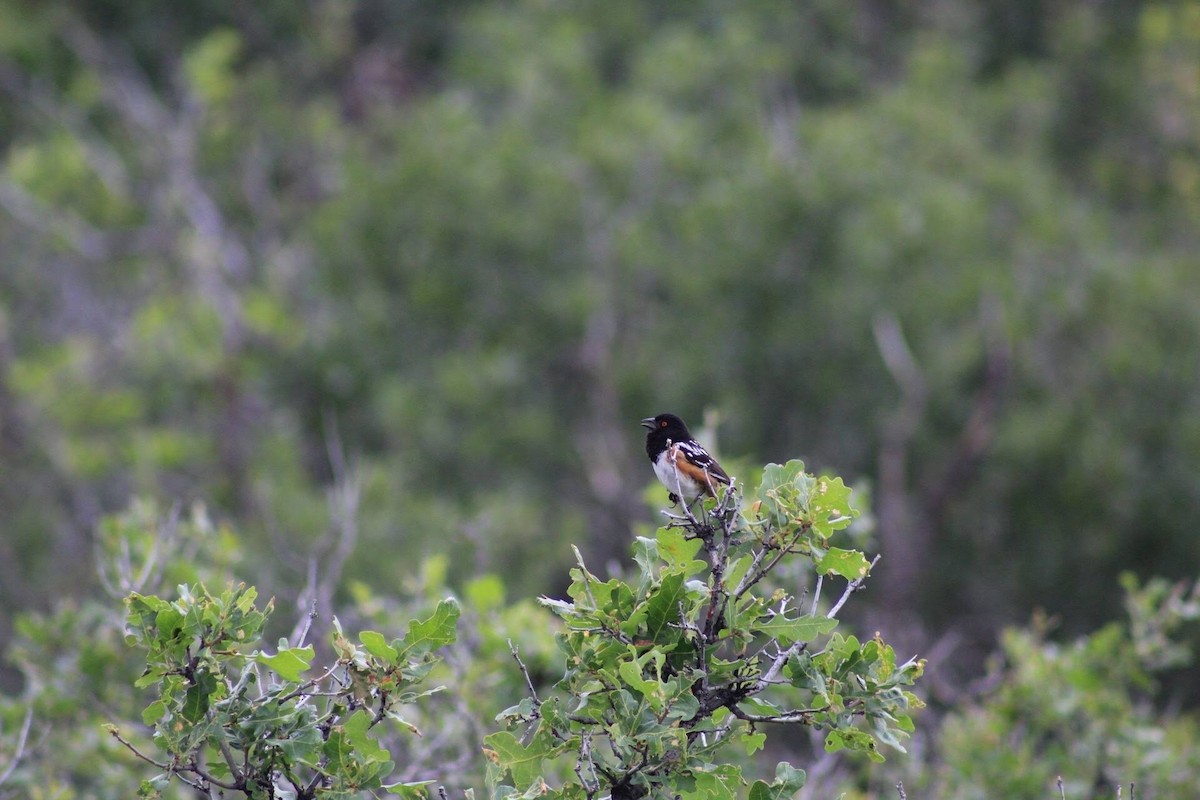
(1093, 710)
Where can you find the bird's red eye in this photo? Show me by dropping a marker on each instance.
(662, 424)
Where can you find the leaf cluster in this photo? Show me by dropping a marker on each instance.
(668, 673)
(233, 716)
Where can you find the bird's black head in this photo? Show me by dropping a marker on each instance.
(662, 428)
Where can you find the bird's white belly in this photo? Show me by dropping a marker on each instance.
(675, 481)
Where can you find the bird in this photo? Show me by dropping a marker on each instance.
(680, 462)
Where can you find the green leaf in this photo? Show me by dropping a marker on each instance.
(652, 689)
(777, 492)
(679, 552)
(437, 630)
(801, 629)
(358, 732)
(559, 607)
(719, 783)
(289, 664)
(412, 791)
(149, 678)
(377, 645)
(830, 509)
(662, 608)
(645, 555)
(196, 699)
(753, 742)
(788, 781)
(852, 739)
(154, 712)
(850, 564)
(631, 673)
(523, 763)
(522, 710)
(339, 753)
(152, 788)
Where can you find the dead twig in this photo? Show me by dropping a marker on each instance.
(851, 588)
(20, 750)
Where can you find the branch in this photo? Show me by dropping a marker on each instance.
(303, 688)
(768, 677)
(20, 751)
(812, 611)
(795, 715)
(753, 577)
(307, 621)
(195, 767)
(512, 648)
(851, 588)
(116, 734)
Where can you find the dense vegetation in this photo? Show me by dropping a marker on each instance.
(361, 302)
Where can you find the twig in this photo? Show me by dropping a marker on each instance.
(772, 673)
(1062, 793)
(20, 751)
(795, 715)
(116, 734)
(851, 588)
(195, 767)
(812, 612)
(752, 577)
(303, 689)
(745, 583)
(512, 648)
(585, 754)
(900, 790)
(308, 621)
(227, 754)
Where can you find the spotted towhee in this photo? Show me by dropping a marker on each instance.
(682, 465)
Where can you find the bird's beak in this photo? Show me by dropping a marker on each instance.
(648, 422)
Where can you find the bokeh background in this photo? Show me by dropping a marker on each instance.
(948, 250)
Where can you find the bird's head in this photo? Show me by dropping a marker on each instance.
(668, 424)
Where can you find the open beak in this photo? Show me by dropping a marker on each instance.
(648, 422)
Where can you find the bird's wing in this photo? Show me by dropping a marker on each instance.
(695, 462)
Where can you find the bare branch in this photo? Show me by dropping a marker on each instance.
(851, 588)
(512, 648)
(304, 624)
(20, 749)
(116, 734)
(783, 717)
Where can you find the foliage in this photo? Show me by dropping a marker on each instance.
(223, 725)
(950, 255)
(1084, 710)
(78, 671)
(670, 672)
(469, 242)
(1099, 712)
(208, 687)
